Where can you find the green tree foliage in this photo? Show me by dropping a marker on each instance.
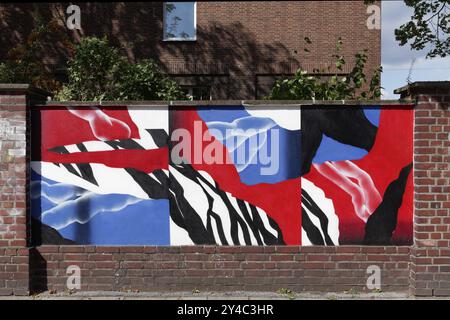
(97, 72)
(429, 26)
(24, 63)
(308, 86)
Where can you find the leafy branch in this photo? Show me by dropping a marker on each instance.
(308, 86)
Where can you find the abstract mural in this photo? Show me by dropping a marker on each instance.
(356, 181)
(224, 175)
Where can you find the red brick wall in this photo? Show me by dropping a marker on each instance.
(13, 170)
(211, 268)
(14, 275)
(430, 268)
(241, 44)
(13, 254)
(426, 264)
(14, 102)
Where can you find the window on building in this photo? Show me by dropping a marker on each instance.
(180, 21)
(197, 93)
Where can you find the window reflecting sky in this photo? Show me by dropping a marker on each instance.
(180, 20)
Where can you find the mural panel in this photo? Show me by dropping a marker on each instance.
(225, 175)
(99, 176)
(356, 175)
(243, 170)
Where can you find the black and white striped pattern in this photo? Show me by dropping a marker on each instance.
(320, 224)
(210, 215)
(201, 212)
(156, 138)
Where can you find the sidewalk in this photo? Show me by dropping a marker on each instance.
(106, 295)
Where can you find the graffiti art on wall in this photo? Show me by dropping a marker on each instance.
(356, 181)
(225, 175)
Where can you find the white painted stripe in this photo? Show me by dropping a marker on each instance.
(193, 194)
(221, 210)
(157, 119)
(286, 117)
(72, 148)
(266, 223)
(326, 205)
(233, 201)
(215, 230)
(179, 236)
(315, 221)
(92, 146)
(110, 180)
(77, 169)
(305, 239)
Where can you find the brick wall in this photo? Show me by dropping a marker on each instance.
(210, 268)
(13, 170)
(424, 268)
(14, 271)
(14, 102)
(243, 45)
(430, 268)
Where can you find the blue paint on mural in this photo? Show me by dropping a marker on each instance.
(373, 115)
(144, 222)
(90, 218)
(332, 150)
(225, 114)
(265, 153)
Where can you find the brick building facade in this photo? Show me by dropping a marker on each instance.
(240, 47)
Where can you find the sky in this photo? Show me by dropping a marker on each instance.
(396, 60)
(185, 11)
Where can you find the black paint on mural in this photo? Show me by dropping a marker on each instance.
(348, 126)
(382, 223)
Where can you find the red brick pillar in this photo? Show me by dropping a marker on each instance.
(430, 255)
(15, 100)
